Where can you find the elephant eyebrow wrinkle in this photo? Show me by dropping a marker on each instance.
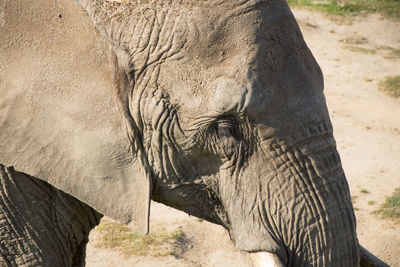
(145, 36)
(152, 39)
(160, 121)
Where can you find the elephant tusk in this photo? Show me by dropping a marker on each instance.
(266, 259)
(369, 260)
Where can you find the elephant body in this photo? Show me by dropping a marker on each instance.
(41, 225)
(212, 107)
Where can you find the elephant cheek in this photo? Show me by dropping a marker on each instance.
(249, 221)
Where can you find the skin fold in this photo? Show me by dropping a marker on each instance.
(215, 108)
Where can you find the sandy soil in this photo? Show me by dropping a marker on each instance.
(367, 130)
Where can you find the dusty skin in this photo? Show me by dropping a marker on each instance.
(216, 110)
(367, 130)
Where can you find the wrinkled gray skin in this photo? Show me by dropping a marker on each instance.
(217, 109)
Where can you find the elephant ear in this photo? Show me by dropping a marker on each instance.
(60, 119)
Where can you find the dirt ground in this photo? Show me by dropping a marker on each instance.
(367, 130)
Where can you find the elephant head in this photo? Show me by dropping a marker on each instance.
(218, 110)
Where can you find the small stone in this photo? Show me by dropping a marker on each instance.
(59, 15)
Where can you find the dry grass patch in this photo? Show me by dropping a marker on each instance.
(116, 9)
(158, 243)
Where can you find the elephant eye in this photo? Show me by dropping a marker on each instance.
(225, 136)
(227, 129)
(226, 126)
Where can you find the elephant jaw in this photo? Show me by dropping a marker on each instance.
(266, 259)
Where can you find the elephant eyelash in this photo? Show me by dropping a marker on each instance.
(225, 126)
(224, 130)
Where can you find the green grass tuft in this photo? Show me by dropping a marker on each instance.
(392, 52)
(371, 202)
(389, 8)
(121, 237)
(391, 86)
(391, 207)
(355, 40)
(360, 50)
(364, 191)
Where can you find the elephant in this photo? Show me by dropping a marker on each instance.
(212, 107)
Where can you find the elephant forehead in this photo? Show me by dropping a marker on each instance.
(221, 54)
(153, 32)
(210, 60)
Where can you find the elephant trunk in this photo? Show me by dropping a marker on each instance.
(302, 206)
(312, 207)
